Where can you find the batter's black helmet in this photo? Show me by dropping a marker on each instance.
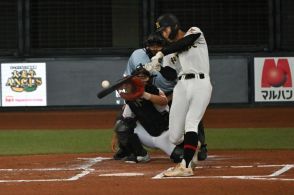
(167, 20)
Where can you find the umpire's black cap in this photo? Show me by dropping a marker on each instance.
(154, 39)
(166, 20)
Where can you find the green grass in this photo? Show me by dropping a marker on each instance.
(22, 142)
(250, 138)
(18, 142)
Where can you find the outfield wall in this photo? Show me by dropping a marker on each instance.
(76, 81)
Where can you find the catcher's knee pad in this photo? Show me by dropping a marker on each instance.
(177, 155)
(125, 124)
(201, 133)
(124, 128)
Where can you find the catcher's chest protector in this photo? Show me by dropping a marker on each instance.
(153, 121)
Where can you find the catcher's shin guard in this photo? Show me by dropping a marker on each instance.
(201, 133)
(202, 153)
(124, 128)
(139, 154)
(136, 145)
(122, 153)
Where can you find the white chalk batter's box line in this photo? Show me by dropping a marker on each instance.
(273, 176)
(86, 169)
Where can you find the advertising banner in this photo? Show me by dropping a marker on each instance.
(273, 77)
(23, 84)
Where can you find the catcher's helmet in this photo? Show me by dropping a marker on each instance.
(141, 70)
(168, 20)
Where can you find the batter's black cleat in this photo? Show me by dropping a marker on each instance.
(202, 154)
(120, 154)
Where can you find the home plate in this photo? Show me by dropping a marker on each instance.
(121, 174)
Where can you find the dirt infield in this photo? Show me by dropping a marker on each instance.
(97, 118)
(224, 172)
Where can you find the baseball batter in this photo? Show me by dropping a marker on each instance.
(192, 92)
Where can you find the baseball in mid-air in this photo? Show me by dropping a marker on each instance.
(105, 84)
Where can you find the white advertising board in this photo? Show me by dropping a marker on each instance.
(273, 77)
(23, 84)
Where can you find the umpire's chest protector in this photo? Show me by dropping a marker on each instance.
(153, 121)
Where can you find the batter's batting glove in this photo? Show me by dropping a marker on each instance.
(158, 57)
(155, 64)
(152, 67)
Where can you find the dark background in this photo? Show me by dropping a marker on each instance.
(105, 27)
(85, 42)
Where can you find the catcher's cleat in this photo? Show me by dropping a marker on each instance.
(143, 159)
(137, 159)
(120, 154)
(179, 171)
(202, 154)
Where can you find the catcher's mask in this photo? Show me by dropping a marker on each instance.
(154, 39)
(153, 44)
(168, 20)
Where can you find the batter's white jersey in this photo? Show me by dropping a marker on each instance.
(196, 59)
(172, 61)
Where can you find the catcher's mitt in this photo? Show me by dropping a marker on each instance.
(132, 90)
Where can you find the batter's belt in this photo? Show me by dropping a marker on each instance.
(192, 76)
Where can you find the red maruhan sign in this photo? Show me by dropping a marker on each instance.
(276, 74)
(273, 79)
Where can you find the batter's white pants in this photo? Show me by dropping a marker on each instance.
(161, 142)
(190, 100)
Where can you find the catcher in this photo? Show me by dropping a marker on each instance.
(144, 120)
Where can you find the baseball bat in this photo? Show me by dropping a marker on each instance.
(116, 86)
